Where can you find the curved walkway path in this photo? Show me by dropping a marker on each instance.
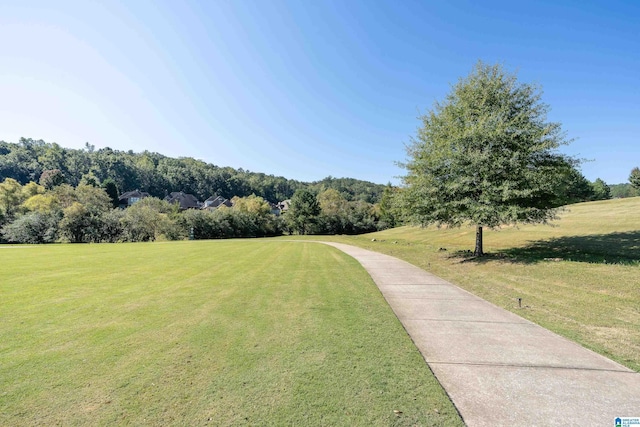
(498, 368)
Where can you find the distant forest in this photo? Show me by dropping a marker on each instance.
(159, 175)
(623, 190)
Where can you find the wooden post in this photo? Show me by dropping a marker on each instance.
(478, 251)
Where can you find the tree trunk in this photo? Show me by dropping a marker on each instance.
(478, 251)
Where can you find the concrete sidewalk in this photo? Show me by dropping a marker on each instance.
(498, 368)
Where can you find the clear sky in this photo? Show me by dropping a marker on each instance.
(308, 88)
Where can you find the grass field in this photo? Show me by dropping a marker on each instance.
(249, 332)
(579, 278)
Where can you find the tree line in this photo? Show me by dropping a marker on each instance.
(49, 193)
(28, 159)
(88, 213)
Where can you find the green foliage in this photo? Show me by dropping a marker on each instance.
(112, 226)
(201, 222)
(149, 219)
(41, 203)
(572, 187)
(350, 189)
(303, 212)
(485, 156)
(90, 179)
(11, 196)
(84, 210)
(141, 224)
(111, 189)
(145, 220)
(623, 190)
(601, 190)
(336, 215)
(75, 221)
(159, 205)
(248, 218)
(52, 157)
(32, 189)
(51, 178)
(332, 202)
(85, 214)
(61, 170)
(20, 161)
(33, 227)
(253, 204)
(27, 213)
(95, 198)
(334, 210)
(157, 174)
(257, 213)
(362, 218)
(634, 178)
(390, 209)
(65, 194)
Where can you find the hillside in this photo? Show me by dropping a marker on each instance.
(160, 175)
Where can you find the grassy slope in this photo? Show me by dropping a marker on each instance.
(196, 333)
(580, 278)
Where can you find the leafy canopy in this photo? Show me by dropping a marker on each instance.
(303, 212)
(601, 191)
(485, 155)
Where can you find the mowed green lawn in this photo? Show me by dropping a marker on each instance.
(579, 278)
(245, 332)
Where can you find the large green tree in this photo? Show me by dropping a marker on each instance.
(303, 212)
(334, 211)
(390, 213)
(601, 191)
(83, 218)
(111, 189)
(486, 155)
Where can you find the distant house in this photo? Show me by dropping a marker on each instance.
(213, 203)
(184, 200)
(130, 197)
(283, 206)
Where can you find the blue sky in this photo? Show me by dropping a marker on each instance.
(307, 89)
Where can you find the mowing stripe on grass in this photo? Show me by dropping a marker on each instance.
(218, 332)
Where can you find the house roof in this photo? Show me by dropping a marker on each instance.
(214, 202)
(185, 200)
(135, 193)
